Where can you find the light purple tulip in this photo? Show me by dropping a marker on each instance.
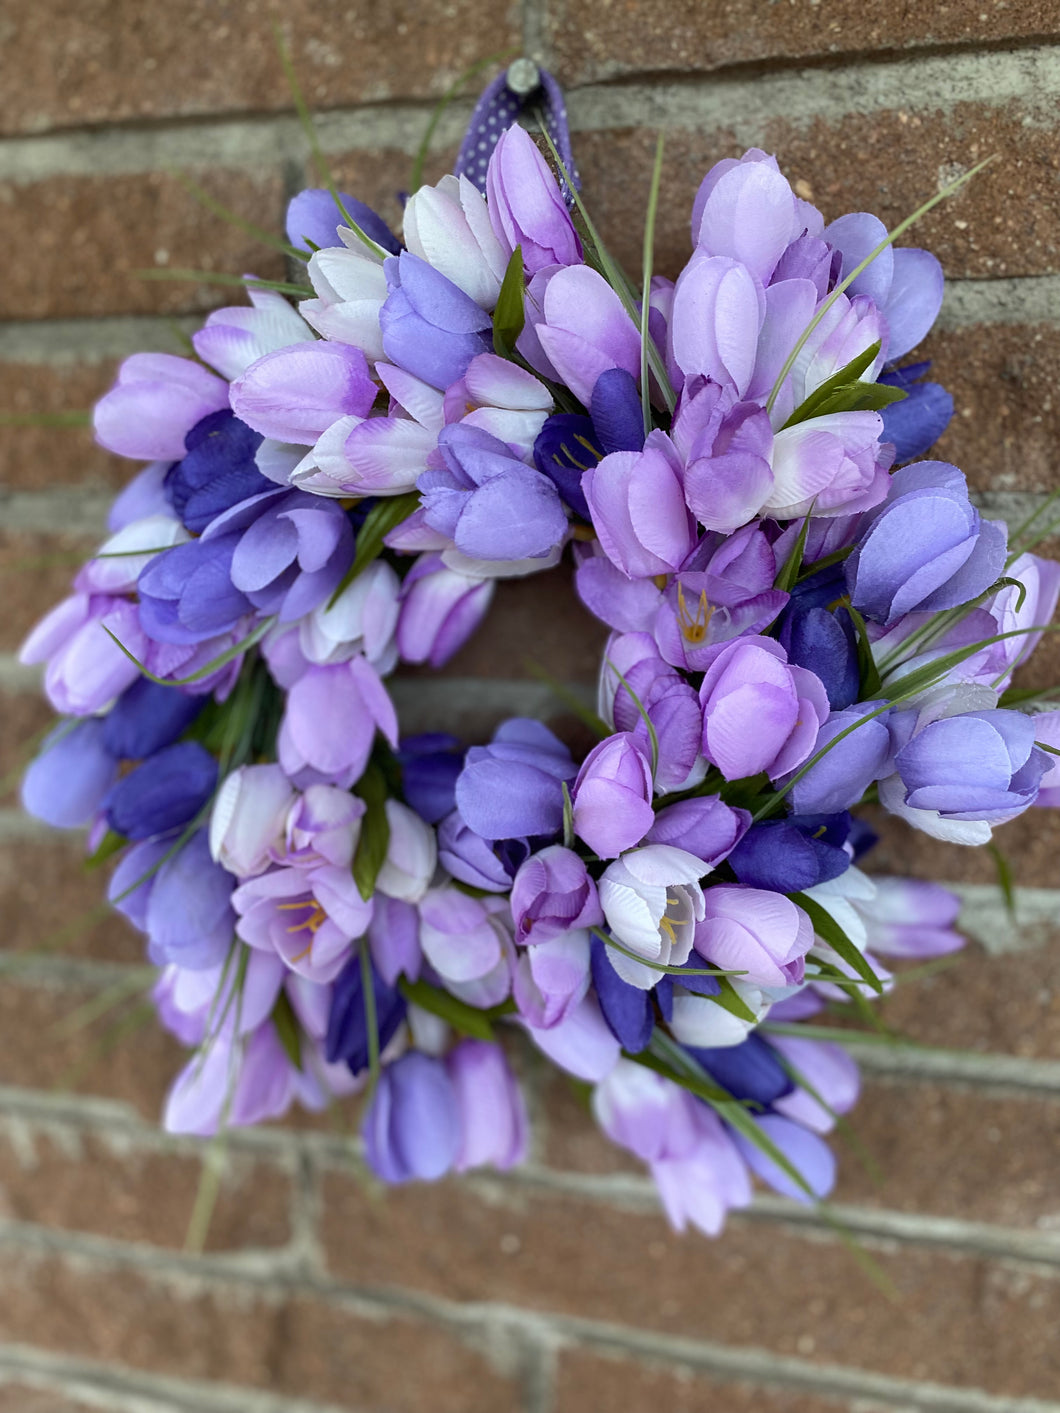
(551, 894)
(846, 770)
(979, 766)
(831, 1074)
(322, 826)
(330, 723)
(65, 784)
(1047, 733)
(459, 936)
(750, 930)
(909, 917)
(652, 901)
(430, 328)
(751, 215)
(154, 404)
(513, 788)
(653, 688)
(440, 609)
(234, 338)
(248, 818)
(411, 1130)
(829, 465)
(586, 330)
(705, 826)
(847, 328)
(448, 227)
(759, 713)
(362, 619)
(526, 207)
(492, 1120)
(808, 1154)
(470, 858)
(637, 503)
(728, 448)
(411, 855)
(612, 796)
(504, 400)
(188, 916)
(718, 312)
(582, 1044)
(551, 978)
(906, 284)
(86, 669)
(394, 937)
(1015, 608)
(307, 917)
(297, 392)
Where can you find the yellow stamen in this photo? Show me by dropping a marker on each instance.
(694, 629)
(316, 919)
(665, 925)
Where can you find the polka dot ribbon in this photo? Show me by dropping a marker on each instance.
(523, 86)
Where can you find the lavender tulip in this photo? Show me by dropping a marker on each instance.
(759, 713)
(487, 501)
(330, 722)
(308, 917)
(313, 216)
(750, 214)
(448, 227)
(440, 610)
(458, 935)
(612, 796)
(652, 902)
(503, 399)
(638, 509)
(492, 1122)
(248, 818)
(321, 826)
(411, 1128)
(293, 555)
(585, 330)
(394, 937)
(849, 763)
(188, 915)
(187, 594)
(718, 312)
(296, 393)
(906, 283)
(513, 788)
(831, 1074)
(808, 1154)
(909, 917)
(829, 465)
(582, 1043)
(705, 826)
(86, 669)
(654, 690)
(471, 859)
(926, 549)
(754, 931)
(68, 781)
(154, 403)
(234, 338)
(430, 327)
(551, 894)
(551, 978)
(526, 207)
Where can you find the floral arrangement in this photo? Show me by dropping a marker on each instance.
(804, 617)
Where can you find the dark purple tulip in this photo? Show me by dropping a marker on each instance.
(347, 1034)
(217, 472)
(824, 641)
(187, 594)
(147, 717)
(983, 765)
(491, 504)
(791, 855)
(68, 780)
(293, 555)
(430, 764)
(626, 1009)
(512, 788)
(431, 328)
(926, 548)
(188, 916)
(313, 218)
(915, 425)
(618, 417)
(412, 1127)
(163, 793)
(565, 446)
(749, 1070)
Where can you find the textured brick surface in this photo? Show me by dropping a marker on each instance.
(61, 57)
(591, 1381)
(82, 238)
(959, 1320)
(54, 905)
(25, 716)
(1000, 225)
(1029, 843)
(59, 1178)
(17, 1398)
(35, 572)
(246, 1336)
(43, 457)
(600, 39)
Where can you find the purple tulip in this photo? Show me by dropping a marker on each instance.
(430, 328)
(187, 594)
(759, 713)
(551, 978)
(309, 917)
(754, 931)
(552, 893)
(430, 765)
(492, 1122)
(718, 312)
(394, 937)
(652, 688)
(846, 770)
(330, 723)
(67, 782)
(513, 787)
(295, 393)
(808, 1154)
(585, 330)
(982, 765)
(470, 858)
(313, 216)
(217, 471)
(188, 917)
(234, 338)
(791, 855)
(147, 717)
(638, 509)
(905, 283)
(487, 501)
(748, 213)
(346, 1035)
(612, 796)
(926, 549)
(163, 792)
(914, 425)
(412, 1126)
(526, 206)
(728, 448)
(293, 555)
(155, 402)
(705, 826)
(458, 935)
(440, 609)
(831, 1074)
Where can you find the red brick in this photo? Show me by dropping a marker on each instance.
(379, 177)
(957, 1319)
(71, 63)
(36, 571)
(999, 225)
(40, 458)
(81, 239)
(602, 39)
(17, 1398)
(63, 1179)
(1029, 842)
(26, 717)
(587, 1380)
(54, 906)
(243, 1335)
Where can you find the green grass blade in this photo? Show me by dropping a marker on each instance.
(645, 298)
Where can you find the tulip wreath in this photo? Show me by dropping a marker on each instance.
(805, 615)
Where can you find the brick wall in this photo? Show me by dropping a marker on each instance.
(559, 1288)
